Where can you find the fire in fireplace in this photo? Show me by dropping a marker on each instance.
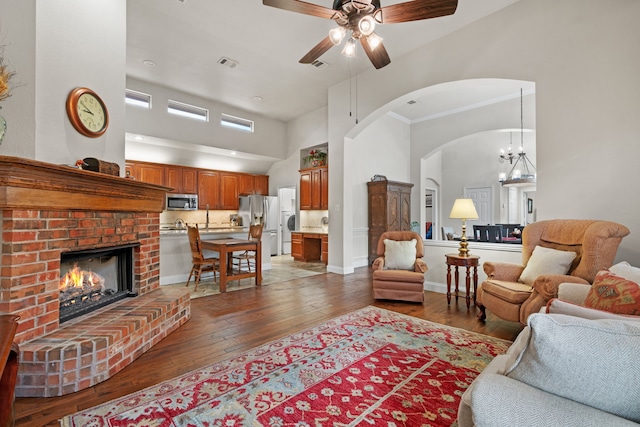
(91, 279)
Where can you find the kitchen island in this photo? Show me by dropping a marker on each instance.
(175, 253)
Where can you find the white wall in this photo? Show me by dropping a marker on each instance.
(305, 131)
(19, 38)
(268, 138)
(463, 131)
(578, 54)
(381, 149)
(49, 63)
(472, 161)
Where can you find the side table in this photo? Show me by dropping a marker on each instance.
(470, 262)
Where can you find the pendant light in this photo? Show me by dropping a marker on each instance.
(523, 172)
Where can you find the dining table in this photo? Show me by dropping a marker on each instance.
(226, 248)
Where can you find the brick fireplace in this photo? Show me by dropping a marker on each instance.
(48, 210)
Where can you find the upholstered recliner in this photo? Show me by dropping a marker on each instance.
(594, 242)
(405, 284)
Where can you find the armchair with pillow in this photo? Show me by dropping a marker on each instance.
(553, 252)
(398, 272)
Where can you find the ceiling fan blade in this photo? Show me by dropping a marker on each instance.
(301, 7)
(378, 56)
(417, 9)
(317, 51)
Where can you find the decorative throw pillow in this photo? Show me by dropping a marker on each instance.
(626, 270)
(587, 361)
(614, 294)
(546, 261)
(399, 255)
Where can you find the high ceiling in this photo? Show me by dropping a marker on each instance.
(186, 39)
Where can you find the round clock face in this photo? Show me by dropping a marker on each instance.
(87, 112)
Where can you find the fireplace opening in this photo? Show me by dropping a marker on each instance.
(93, 278)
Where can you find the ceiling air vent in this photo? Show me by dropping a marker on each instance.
(319, 64)
(227, 62)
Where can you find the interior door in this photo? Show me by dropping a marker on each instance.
(483, 200)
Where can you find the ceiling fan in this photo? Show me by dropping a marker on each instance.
(360, 17)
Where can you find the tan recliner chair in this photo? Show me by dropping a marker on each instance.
(595, 242)
(402, 285)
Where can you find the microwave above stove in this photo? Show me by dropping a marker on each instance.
(182, 202)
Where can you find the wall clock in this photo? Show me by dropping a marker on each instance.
(87, 112)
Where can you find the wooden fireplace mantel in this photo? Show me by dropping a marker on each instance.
(31, 184)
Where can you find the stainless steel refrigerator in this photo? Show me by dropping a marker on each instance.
(263, 210)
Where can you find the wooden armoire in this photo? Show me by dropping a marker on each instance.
(389, 210)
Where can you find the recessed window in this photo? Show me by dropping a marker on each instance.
(139, 99)
(236, 122)
(187, 110)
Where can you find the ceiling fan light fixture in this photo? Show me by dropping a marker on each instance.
(350, 48)
(336, 35)
(377, 16)
(366, 25)
(374, 40)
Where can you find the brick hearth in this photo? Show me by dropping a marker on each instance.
(46, 210)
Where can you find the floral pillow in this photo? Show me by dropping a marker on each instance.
(614, 294)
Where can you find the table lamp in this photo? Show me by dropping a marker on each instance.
(463, 209)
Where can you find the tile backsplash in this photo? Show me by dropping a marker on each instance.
(312, 221)
(197, 217)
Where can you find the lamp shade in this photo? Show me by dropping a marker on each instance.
(463, 209)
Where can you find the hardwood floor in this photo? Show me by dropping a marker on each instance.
(226, 325)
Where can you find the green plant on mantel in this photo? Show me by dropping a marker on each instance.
(316, 158)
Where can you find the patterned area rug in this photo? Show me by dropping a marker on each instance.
(369, 367)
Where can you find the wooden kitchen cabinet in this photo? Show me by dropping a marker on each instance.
(296, 246)
(218, 190)
(305, 190)
(253, 184)
(389, 210)
(208, 189)
(325, 249)
(146, 172)
(229, 197)
(262, 184)
(324, 188)
(183, 180)
(310, 247)
(314, 189)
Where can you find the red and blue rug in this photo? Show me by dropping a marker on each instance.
(372, 367)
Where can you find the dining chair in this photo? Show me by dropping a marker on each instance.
(487, 233)
(200, 263)
(255, 233)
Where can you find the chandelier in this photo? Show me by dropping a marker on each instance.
(523, 172)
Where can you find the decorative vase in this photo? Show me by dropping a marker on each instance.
(3, 128)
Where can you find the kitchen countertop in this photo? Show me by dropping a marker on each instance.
(213, 229)
(311, 232)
